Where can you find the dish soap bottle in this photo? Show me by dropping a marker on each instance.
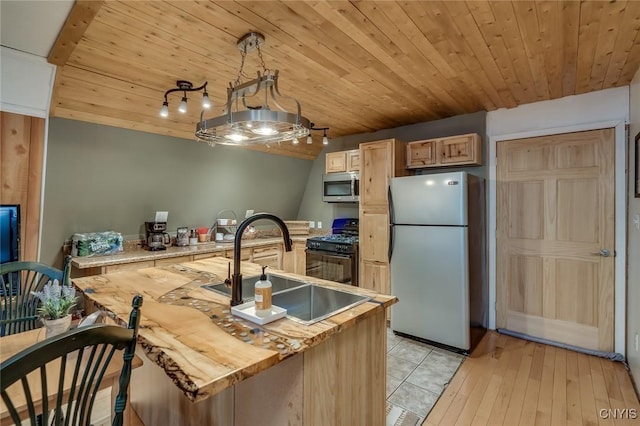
(263, 295)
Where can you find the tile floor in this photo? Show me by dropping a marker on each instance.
(417, 374)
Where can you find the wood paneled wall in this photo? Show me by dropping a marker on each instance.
(21, 155)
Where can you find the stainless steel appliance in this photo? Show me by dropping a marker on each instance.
(156, 236)
(334, 257)
(341, 187)
(437, 259)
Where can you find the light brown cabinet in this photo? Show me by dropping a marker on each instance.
(445, 152)
(173, 260)
(342, 161)
(380, 161)
(295, 261)
(270, 256)
(128, 266)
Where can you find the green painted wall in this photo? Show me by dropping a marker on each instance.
(102, 178)
(313, 208)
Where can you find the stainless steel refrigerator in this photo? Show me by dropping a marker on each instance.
(437, 254)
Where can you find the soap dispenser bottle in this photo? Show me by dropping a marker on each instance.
(263, 295)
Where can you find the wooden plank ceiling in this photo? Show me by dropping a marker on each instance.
(355, 66)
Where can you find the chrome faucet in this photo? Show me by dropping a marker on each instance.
(236, 278)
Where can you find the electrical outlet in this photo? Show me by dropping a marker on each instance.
(249, 213)
(312, 224)
(319, 225)
(636, 342)
(636, 222)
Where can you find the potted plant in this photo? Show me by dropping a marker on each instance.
(55, 303)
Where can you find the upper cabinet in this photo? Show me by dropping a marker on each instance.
(343, 161)
(444, 152)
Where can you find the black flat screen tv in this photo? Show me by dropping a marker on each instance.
(9, 233)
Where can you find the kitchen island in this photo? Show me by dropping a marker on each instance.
(209, 367)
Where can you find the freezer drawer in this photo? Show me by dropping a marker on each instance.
(429, 275)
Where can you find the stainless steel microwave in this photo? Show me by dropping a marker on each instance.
(341, 187)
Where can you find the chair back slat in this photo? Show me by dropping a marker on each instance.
(10, 407)
(18, 306)
(93, 349)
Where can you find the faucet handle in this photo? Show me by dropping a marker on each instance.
(227, 281)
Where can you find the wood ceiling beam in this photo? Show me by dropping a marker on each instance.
(77, 22)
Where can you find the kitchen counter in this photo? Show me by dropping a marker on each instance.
(139, 254)
(188, 331)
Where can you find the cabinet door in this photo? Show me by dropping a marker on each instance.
(377, 164)
(421, 153)
(336, 162)
(295, 261)
(374, 276)
(301, 259)
(374, 235)
(353, 160)
(464, 149)
(267, 256)
(245, 254)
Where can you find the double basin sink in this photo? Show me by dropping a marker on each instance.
(305, 302)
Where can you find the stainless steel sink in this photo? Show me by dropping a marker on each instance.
(312, 303)
(248, 284)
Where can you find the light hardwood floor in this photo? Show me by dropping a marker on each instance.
(509, 381)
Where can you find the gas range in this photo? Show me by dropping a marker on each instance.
(343, 240)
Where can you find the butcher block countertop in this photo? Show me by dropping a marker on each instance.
(139, 254)
(190, 333)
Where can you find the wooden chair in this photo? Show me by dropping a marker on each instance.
(77, 361)
(17, 281)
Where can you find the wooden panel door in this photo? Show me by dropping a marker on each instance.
(21, 155)
(555, 237)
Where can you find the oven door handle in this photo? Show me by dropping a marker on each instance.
(328, 254)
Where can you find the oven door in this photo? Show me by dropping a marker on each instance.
(340, 268)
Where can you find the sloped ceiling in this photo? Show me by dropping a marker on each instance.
(354, 66)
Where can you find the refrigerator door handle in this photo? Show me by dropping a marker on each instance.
(391, 222)
(391, 212)
(391, 234)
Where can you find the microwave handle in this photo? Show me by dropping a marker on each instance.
(353, 186)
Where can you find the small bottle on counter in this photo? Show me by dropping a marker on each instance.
(193, 238)
(263, 295)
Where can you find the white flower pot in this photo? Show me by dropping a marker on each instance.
(56, 326)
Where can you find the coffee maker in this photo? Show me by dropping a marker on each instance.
(156, 236)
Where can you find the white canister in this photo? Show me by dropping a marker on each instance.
(219, 236)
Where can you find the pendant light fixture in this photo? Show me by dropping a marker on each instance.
(248, 116)
(184, 86)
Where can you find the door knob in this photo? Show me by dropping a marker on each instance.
(602, 252)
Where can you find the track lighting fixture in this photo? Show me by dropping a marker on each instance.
(184, 87)
(325, 139)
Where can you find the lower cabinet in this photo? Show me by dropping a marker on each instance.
(375, 276)
(208, 255)
(128, 266)
(173, 260)
(270, 256)
(295, 261)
